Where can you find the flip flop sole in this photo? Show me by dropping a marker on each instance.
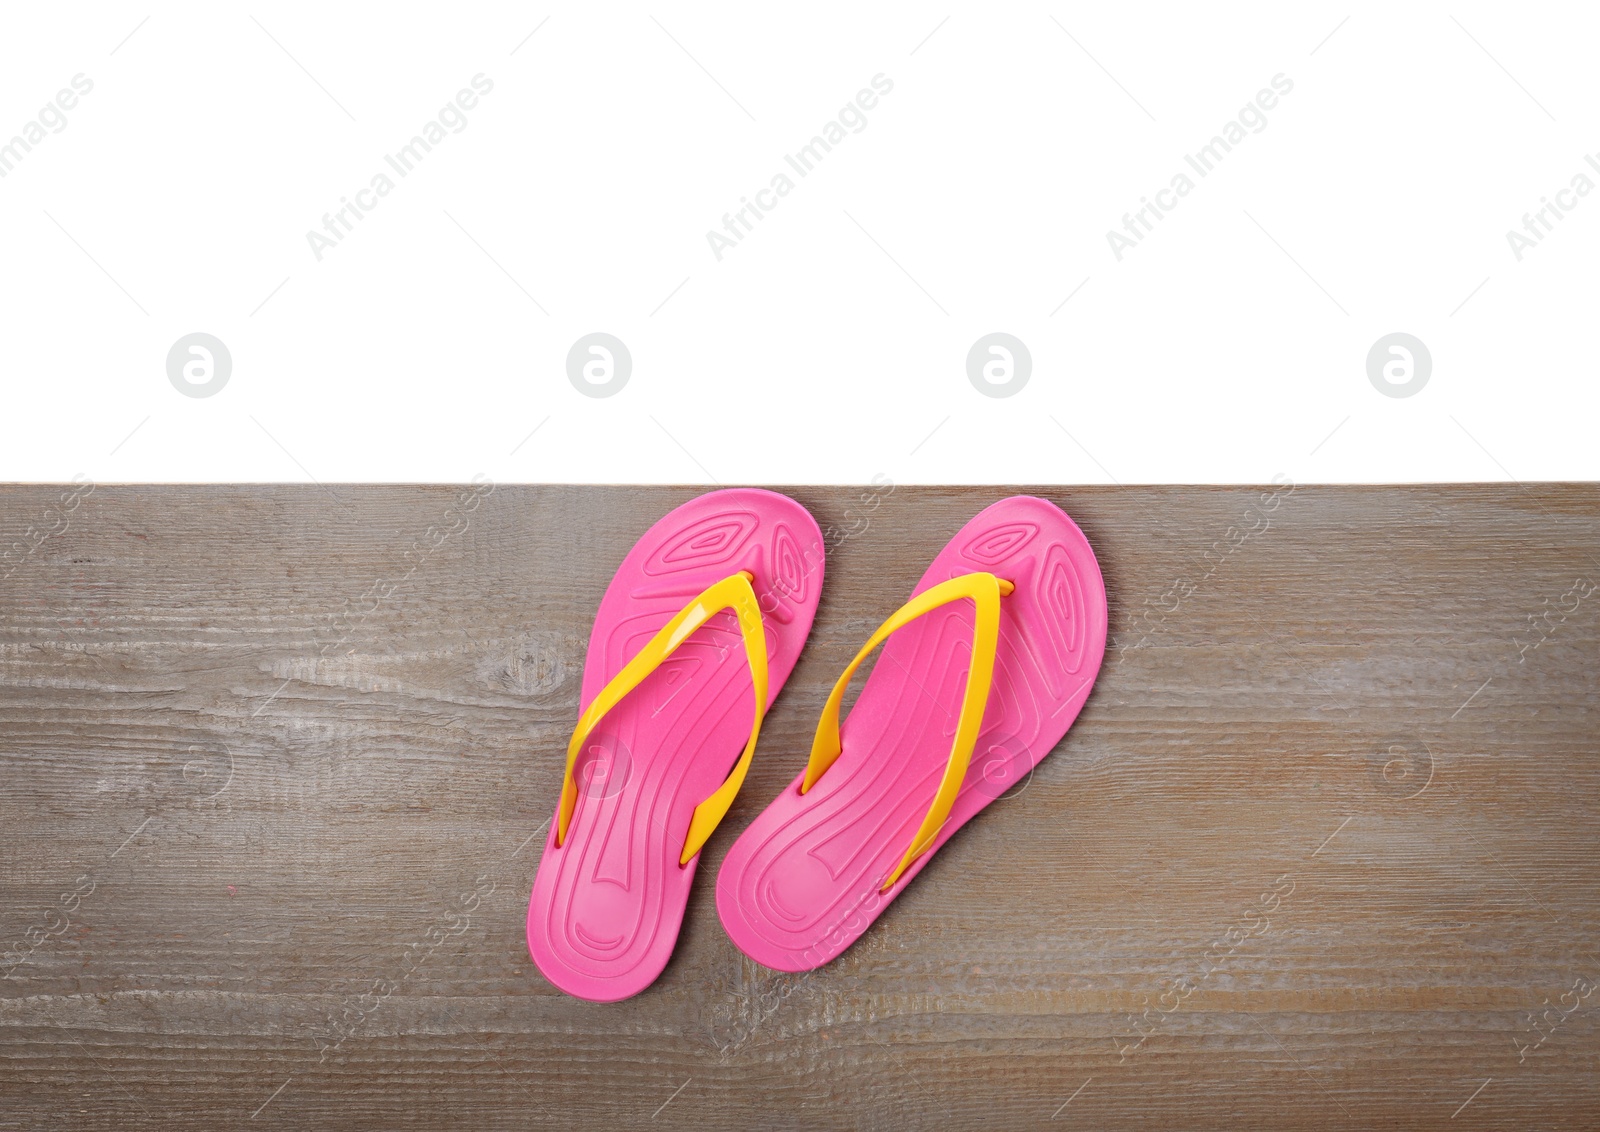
(802, 882)
(606, 905)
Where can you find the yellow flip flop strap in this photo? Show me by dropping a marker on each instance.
(733, 592)
(985, 590)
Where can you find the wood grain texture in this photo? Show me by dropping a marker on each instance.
(1320, 852)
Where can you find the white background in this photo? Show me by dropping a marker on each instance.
(831, 344)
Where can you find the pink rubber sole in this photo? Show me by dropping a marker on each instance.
(801, 883)
(606, 906)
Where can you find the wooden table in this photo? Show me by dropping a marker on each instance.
(1321, 850)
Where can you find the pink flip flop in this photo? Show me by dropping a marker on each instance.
(964, 702)
(695, 635)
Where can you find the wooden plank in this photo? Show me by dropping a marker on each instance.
(1319, 851)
